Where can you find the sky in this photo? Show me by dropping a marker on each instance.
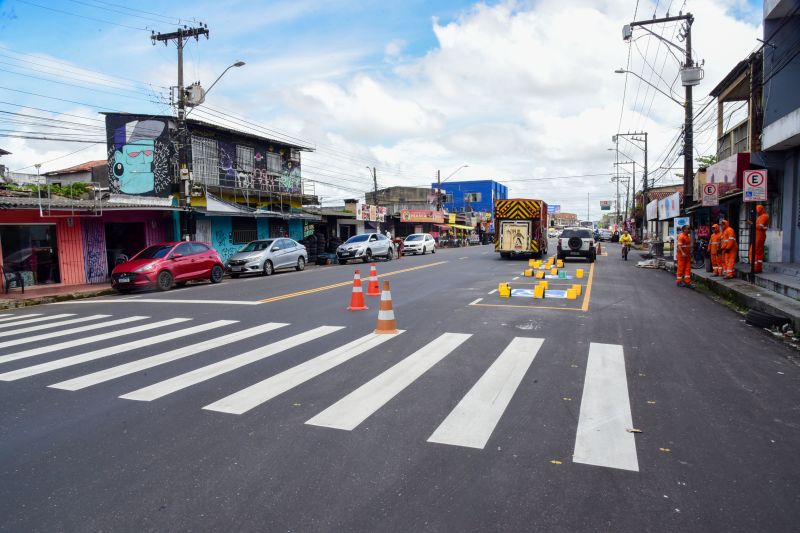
(523, 92)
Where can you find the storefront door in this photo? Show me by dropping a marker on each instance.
(31, 250)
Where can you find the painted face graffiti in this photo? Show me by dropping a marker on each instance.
(133, 167)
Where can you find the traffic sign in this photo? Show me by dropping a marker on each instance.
(710, 194)
(755, 186)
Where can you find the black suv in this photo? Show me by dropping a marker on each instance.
(577, 242)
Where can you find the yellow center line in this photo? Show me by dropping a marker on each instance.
(585, 306)
(343, 283)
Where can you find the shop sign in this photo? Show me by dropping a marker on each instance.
(652, 210)
(710, 195)
(755, 186)
(370, 213)
(553, 209)
(669, 207)
(451, 218)
(605, 205)
(419, 215)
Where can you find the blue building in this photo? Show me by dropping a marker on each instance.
(471, 196)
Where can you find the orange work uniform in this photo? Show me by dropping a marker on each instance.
(684, 271)
(762, 223)
(729, 250)
(713, 250)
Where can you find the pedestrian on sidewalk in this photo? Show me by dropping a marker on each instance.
(762, 223)
(683, 274)
(714, 250)
(729, 250)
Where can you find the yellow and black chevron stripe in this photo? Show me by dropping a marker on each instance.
(517, 209)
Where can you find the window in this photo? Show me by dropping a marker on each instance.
(582, 233)
(274, 162)
(245, 158)
(244, 230)
(472, 197)
(32, 251)
(198, 248)
(449, 198)
(183, 249)
(205, 161)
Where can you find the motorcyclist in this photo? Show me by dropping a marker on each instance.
(625, 240)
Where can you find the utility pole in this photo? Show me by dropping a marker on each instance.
(587, 208)
(438, 190)
(375, 185)
(616, 177)
(180, 37)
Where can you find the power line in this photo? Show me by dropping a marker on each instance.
(82, 16)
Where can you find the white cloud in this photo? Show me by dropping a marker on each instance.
(394, 48)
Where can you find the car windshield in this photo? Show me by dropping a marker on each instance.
(414, 238)
(582, 233)
(256, 246)
(154, 252)
(357, 238)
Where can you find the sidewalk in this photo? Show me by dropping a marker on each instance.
(44, 294)
(747, 294)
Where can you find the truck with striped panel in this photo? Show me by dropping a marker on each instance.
(520, 227)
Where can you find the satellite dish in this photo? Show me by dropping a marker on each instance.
(195, 94)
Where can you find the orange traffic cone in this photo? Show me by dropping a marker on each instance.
(599, 249)
(386, 321)
(373, 289)
(357, 298)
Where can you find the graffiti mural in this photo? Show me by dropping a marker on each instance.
(139, 154)
(94, 251)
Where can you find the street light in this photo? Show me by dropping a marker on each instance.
(454, 172)
(439, 182)
(625, 71)
(197, 95)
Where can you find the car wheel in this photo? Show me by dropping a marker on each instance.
(216, 274)
(433, 250)
(367, 256)
(164, 281)
(234, 276)
(389, 254)
(301, 264)
(268, 269)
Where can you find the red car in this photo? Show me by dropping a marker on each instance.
(166, 264)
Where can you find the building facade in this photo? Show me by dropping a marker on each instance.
(471, 196)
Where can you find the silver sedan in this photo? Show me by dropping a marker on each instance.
(266, 256)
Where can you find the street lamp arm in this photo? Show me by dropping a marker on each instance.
(454, 172)
(624, 71)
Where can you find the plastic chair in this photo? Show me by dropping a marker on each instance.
(13, 276)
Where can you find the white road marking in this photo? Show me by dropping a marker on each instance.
(165, 301)
(50, 325)
(473, 302)
(515, 279)
(602, 439)
(88, 340)
(199, 375)
(263, 391)
(112, 350)
(18, 317)
(54, 334)
(357, 406)
(473, 420)
(463, 257)
(32, 320)
(173, 355)
(492, 291)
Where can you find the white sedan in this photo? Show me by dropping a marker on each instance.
(419, 243)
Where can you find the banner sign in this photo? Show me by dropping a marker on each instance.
(553, 209)
(710, 195)
(755, 186)
(681, 222)
(370, 213)
(669, 207)
(652, 210)
(419, 215)
(605, 205)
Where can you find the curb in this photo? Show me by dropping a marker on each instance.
(27, 302)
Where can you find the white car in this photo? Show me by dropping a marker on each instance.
(577, 242)
(365, 246)
(419, 243)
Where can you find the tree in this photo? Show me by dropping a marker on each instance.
(706, 160)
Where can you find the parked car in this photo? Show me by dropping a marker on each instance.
(365, 246)
(266, 256)
(166, 264)
(419, 243)
(552, 233)
(576, 242)
(605, 234)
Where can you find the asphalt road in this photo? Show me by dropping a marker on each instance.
(485, 414)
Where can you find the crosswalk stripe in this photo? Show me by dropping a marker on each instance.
(50, 325)
(88, 340)
(199, 375)
(149, 362)
(473, 420)
(105, 352)
(357, 406)
(263, 391)
(602, 439)
(63, 332)
(33, 320)
(18, 317)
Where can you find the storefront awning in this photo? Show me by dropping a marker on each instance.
(460, 226)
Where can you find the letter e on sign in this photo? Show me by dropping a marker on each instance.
(710, 194)
(755, 186)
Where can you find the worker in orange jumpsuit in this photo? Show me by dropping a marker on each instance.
(729, 248)
(713, 250)
(683, 274)
(762, 223)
